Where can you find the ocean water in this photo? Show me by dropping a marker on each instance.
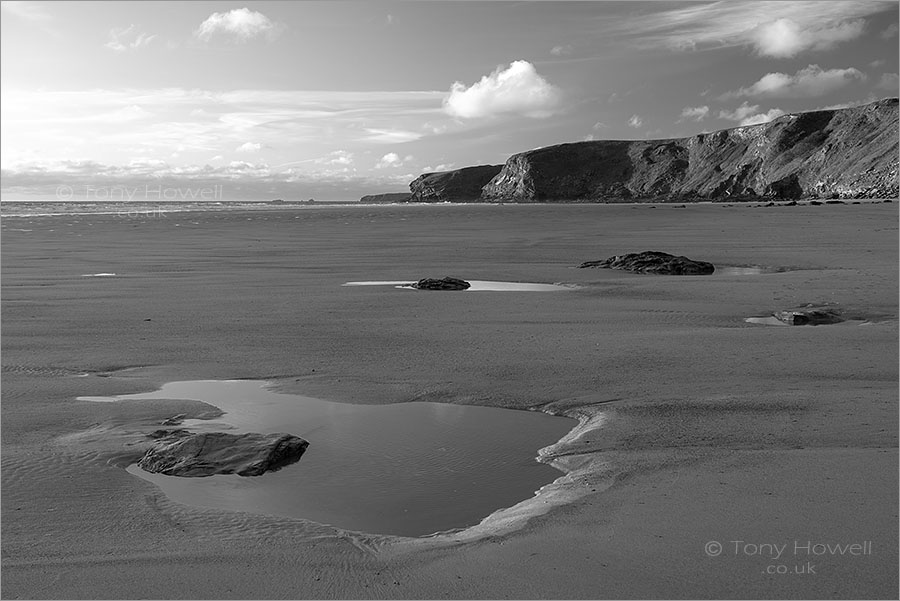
(408, 469)
(139, 208)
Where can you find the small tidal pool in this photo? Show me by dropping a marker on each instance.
(408, 469)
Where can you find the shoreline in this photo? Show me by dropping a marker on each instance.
(150, 208)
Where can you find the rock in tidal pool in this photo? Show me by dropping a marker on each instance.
(446, 283)
(182, 453)
(652, 261)
(809, 316)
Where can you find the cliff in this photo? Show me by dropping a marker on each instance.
(387, 197)
(460, 185)
(850, 153)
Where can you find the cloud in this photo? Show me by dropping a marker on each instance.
(390, 136)
(337, 157)
(127, 38)
(786, 38)
(297, 124)
(249, 147)
(143, 178)
(762, 117)
(889, 31)
(805, 83)
(635, 121)
(242, 24)
(561, 50)
(697, 113)
(126, 114)
(599, 125)
(748, 114)
(30, 11)
(518, 90)
(739, 113)
(889, 82)
(777, 29)
(392, 159)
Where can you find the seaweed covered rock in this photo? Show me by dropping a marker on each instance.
(446, 283)
(182, 453)
(653, 262)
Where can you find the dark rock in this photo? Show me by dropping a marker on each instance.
(835, 202)
(175, 420)
(385, 198)
(654, 262)
(446, 283)
(851, 153)
(181, 453)
(888, 200)
(460, 185)
(815, 202)
(810, 316)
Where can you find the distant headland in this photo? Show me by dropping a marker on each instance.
(839, 153)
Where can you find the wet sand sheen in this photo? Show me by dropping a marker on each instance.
(408, 469)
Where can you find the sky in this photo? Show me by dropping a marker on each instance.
(335, 100)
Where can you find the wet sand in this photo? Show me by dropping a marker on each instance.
(697, 427)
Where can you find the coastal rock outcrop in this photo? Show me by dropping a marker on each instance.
(840, 153)
(183, 453)
(385, 198)
(810, 315)
(446, 283)
(460, 185)
(653, 262)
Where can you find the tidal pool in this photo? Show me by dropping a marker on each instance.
(748, 269)
(408, 469)
(477, 286)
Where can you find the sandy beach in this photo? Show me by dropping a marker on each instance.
(707, 443)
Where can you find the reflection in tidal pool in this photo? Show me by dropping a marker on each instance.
(409, 468)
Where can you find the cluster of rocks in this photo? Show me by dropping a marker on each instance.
(651, 261)
(445, 283)
(182, 453)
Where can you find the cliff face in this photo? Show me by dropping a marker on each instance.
(835, 153)
(461, 185)
(387, 197)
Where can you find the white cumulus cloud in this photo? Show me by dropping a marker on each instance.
(762, 117)
(697, 113)
(518, 89)
(748, 114)
(392, 159)
(812, 81)
(635, 121)
(785, 38)
(249, 147)
(242, 24)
